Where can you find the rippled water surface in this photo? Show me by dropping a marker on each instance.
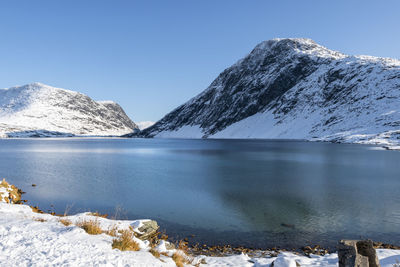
(259, 193)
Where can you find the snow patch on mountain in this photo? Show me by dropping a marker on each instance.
(144, 124)
(38, 110)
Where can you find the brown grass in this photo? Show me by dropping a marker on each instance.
(36, 209)
(66, 222)
(97, 214)
(125, 242)
(40, 220)
(67, 210)
(91, 227)
(113, 231)
(164, 236)
(14, 193)
(179, 259)
(155, 253)
(183, 245)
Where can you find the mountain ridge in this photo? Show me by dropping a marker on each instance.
(36, 108)
(283, 82)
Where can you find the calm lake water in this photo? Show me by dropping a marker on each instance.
(258, 193)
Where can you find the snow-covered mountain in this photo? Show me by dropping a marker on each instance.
(294, 89)
(41, 110)
(144, 124)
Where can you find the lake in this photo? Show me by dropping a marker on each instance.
(256, 193)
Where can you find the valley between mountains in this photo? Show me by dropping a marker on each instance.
(283, 89)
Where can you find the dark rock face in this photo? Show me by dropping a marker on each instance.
(353, 253)
(120, 119)
(293, 80)
(37, 134)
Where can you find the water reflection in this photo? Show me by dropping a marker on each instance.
(264, 192)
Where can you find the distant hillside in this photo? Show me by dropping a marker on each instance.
(40, 110)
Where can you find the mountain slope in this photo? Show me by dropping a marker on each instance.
(41, 110)
(296, 89)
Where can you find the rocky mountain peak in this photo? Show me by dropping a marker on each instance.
(293, 47)
(294, 88)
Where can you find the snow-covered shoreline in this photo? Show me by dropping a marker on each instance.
(32, 239)
(28, 238)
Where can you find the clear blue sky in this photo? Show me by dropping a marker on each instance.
(151, 56)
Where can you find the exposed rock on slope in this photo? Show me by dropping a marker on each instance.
(296, 89)
(38, 110)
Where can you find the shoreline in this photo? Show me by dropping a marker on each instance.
(29, 236)
(375, 145)
(198, 246)
(197, 249)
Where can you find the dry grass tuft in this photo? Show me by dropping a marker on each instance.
(179, 259)
(91, 227)
(125, 242)
(97, 214)
(183, 245)
(36, 209)
(40, 220)
(113, 231)
(67, 210)
(164, 236)
(13, 193)
(66, 222)
(155, 253)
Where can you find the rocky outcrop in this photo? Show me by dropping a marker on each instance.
(353, 253)
(148, 230)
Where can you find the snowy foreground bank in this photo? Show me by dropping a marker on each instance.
(28, 238)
